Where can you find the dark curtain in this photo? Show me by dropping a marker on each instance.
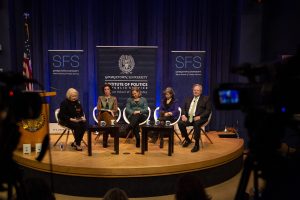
(209, 25)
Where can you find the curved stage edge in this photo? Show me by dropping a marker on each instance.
(153, 174)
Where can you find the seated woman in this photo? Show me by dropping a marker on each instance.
(72, 116)
(168, 110)
(108, 109)
(136, 111)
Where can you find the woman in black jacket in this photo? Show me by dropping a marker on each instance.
(72, 116)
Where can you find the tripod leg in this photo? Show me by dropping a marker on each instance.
(255, 183)
(178, 137)
(244, 179)
(127, 137)
(204, 133)
(60, 137)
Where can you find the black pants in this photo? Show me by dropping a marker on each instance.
(196, 125)
(78, 128)
(134, 123)
(107, 117)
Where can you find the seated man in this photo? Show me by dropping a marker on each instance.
(195, 112)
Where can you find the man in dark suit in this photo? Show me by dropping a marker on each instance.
(195, 112)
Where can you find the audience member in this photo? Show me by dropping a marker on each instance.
(137, 111)
(190, 187)
(195, 112)
(37, 189)
(115, 194)
(108, 109)
(72, 116)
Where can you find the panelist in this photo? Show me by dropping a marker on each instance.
(195, 112)
(168, 110)
(136, 111)
(108, 109)
(72, 116)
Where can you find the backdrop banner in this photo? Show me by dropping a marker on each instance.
(187, 69)
(124, 67)
(66, 70)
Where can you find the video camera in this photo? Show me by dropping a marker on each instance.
(272, 106)
(16, 105)
(271, 88)
(14, 101)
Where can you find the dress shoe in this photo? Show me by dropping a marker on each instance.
(76, 147)
(73, 145)
(161, 143)
(186, 143)
(104, 145)
(195, 149)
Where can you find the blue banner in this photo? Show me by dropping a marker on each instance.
(125, 67)
(66, 70)
(187, 69)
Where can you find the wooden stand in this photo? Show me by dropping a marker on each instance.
(34, 130)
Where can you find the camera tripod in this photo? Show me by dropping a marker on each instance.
(250, 164)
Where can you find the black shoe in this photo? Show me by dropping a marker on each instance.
(186, 143)
(104, 145)
(195, 149)
(73, 144)
(161, 144)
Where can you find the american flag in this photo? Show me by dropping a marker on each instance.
(27, 70)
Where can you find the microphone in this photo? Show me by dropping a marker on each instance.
(54, 88)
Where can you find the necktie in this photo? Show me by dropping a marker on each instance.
(193, 110)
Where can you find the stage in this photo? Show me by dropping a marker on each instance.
(153, 174)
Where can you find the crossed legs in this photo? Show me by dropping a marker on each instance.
(134, 124)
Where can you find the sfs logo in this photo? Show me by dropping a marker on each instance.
(61, 61)
(185, 62)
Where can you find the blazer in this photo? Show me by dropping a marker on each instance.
(173, 108)
(141, 105)
(69, 109)
(203, 107)
(112, 104)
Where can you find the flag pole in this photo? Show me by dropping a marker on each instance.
(27, 68)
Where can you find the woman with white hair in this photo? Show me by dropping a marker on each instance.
(72, 116)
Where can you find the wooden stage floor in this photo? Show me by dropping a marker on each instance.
(131, 170)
